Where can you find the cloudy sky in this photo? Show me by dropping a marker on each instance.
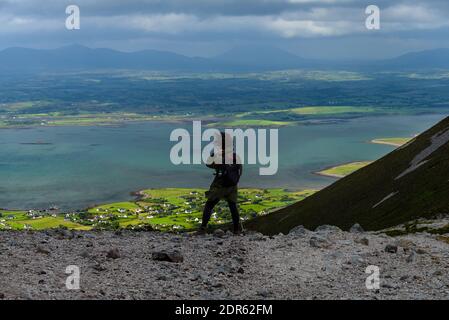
(310, 28)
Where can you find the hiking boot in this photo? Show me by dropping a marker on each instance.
(200, 232)
(237, 230)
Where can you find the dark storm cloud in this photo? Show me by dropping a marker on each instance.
(49, 8)
(197, 7)
(132, 24)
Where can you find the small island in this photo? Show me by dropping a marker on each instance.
(343, 170)
(396, 142)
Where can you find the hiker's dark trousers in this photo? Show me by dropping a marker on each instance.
(210, 204)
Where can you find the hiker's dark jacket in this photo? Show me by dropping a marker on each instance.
(219, 168)
(218, 189)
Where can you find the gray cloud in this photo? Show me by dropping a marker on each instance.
(136, 24)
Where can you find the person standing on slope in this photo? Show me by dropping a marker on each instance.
(228, 170)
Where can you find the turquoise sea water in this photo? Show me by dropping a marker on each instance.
(74, 167)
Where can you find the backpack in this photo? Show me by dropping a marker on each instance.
(230, 174)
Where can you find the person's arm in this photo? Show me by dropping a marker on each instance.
(212, 165)
(211, 161)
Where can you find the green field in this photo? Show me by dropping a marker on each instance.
(90, 119)
(100, 97)
(344, 169)
(168, 209)
(243, 123)
(326, 110)
(21, 220)
(274, 115)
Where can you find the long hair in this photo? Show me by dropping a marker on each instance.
(227, 142)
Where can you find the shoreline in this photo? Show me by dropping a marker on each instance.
(339, 176)
(381, 141)
(161, 209)
(378, 141)
(384, 141)
(139, 195)
(226, 119)
(111, 124)
(329, 175)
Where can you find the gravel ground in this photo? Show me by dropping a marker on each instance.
(325, 264)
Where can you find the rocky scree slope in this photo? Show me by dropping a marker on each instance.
(327, 263)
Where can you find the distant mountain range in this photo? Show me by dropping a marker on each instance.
(409, 183)
(239, 59)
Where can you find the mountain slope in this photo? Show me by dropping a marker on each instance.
(410, 182)
(437, 58)
(83, 58)
(250, 58)
(260, 57)
(77, 57)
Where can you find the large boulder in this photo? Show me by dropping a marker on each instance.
(298, 231)
(356, 228)
(327, 229)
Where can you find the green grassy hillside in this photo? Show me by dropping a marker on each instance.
(380, 195)
(166, 209)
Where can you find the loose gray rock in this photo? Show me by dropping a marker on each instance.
(421, 251)
(364, 241)
(264, 293)
(219, 233)
(298, 231)
(99, 267)
(285, 267)
(412, 257)
(195, 277)
(85, 254)
(357, 260)
(438, 273)
(404, 243)
(42, 250)
(389, 285)
(391, 248)
(113, 254)
(319, 242)
(327, 228)
(356, 228)
(217, 285)
(257, 237)
(172, 256)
